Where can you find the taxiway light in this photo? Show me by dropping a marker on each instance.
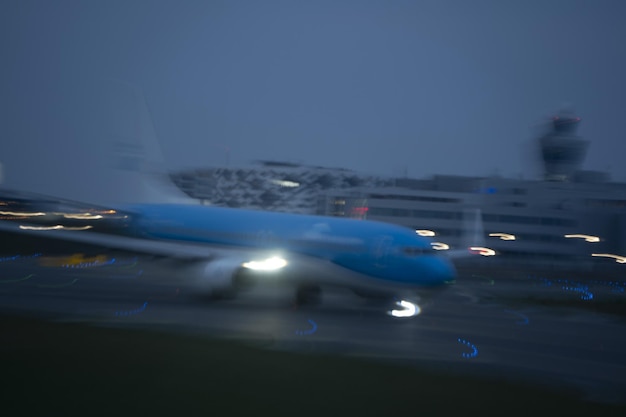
(57, 227)
(439, 246)
(503, 236)
(22, 214)
(618, 259)
(425, 232)
(81, 216)
(408, 309)
(587, 238)
(483, 251)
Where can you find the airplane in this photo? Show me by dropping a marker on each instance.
(224, 250)
(221, 251)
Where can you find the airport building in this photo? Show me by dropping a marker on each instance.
(270, 185)
(556, 221)
(568, 215)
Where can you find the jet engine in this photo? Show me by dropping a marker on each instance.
(221, 278)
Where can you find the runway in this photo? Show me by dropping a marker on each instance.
(482, 325)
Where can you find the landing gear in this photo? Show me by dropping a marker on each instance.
(308, 295)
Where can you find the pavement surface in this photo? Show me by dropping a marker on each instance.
(549, 331)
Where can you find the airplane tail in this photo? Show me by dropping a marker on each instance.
(134, 163)
(97, 145)
(92, 141)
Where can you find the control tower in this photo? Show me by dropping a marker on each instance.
(562, 151)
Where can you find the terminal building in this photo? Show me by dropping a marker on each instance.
(520, 219)
(569, 215)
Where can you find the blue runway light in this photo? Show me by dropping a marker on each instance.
(16, 257)
(573, 286)
(307, 332)
(125, 313)
(126, 263)
(89, 264)
(583, 290)
(471, 346)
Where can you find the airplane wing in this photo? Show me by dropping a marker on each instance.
(206, 268)
(180, 250)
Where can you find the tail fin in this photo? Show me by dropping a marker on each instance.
(127, 163)
(135, 152)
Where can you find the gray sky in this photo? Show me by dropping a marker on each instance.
(388, 87)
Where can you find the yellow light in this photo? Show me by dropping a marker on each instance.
(41, 227)
(81, 216)
(618, 259)
(483, 251)
(587, 238)
(23, 214)
(57, 227)
(425, 232)
(439, 246)
(503, 236)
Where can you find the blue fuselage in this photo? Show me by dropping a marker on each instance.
(378, 250)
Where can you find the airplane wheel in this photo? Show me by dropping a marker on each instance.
(308, 295)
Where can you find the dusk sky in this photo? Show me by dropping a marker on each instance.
(384, 87)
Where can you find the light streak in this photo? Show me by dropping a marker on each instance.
(56, 227)
(439, 246)
(131, 312)
(618, 259)
(15, 257)
(588, 238)
(307, 332)
(22, 214)
(585, 294)
(81, 216)
(483, 251)
(425, 232)
(408, 309)
(503, 236)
